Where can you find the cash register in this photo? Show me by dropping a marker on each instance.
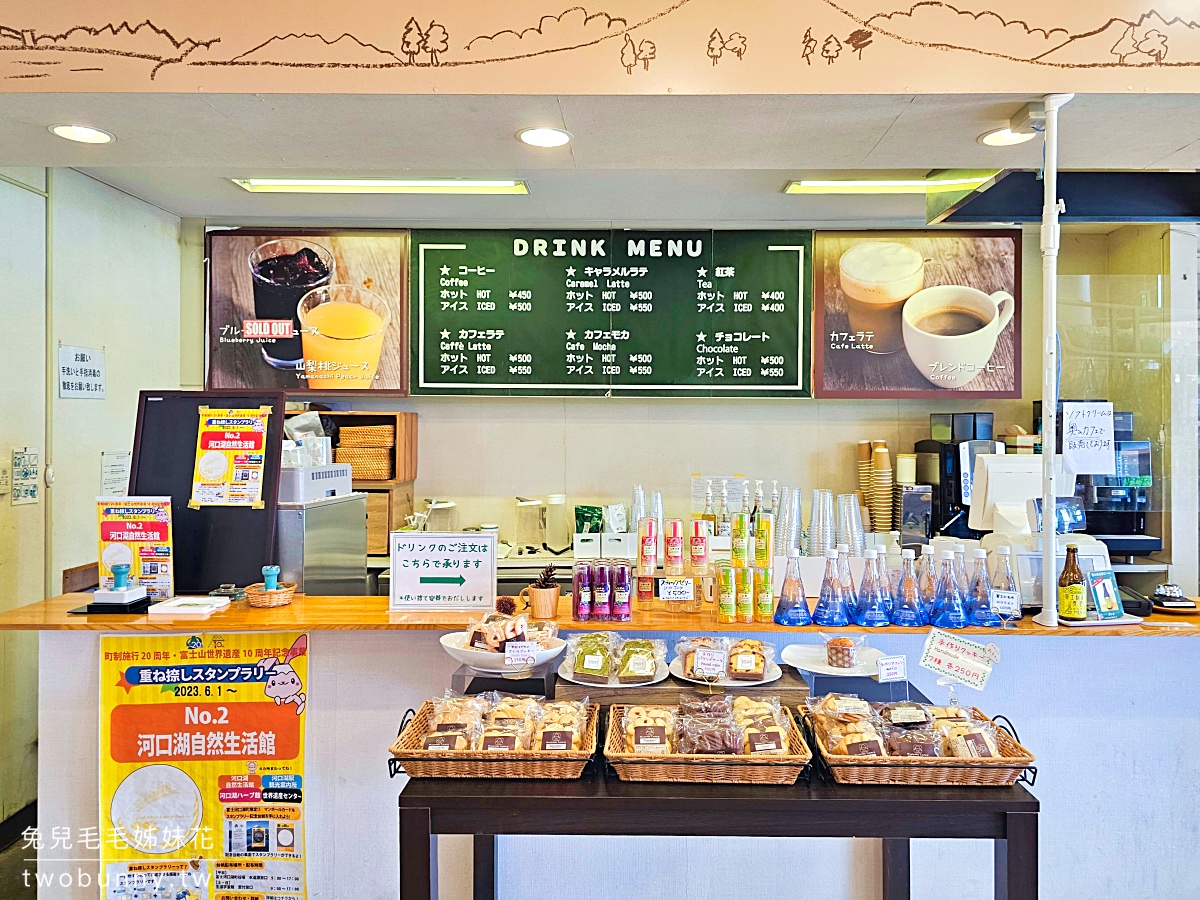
(1007, 501)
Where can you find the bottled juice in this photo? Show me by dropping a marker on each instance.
(764, 539)
(743, 583)
(645, 591)
(741, 538)
(622, 584)
(581, 592)
(764, 594)
(698, 547)
(673, 547)
(726, 591)
(647, 547)
(601, 591)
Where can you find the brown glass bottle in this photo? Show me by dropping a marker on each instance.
(1072, 595)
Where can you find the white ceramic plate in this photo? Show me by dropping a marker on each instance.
(485, 661)
(774, 673)
(812, 658)
(565, 671)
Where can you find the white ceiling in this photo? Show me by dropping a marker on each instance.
(634, 160)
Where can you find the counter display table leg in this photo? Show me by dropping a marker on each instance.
(596, 805)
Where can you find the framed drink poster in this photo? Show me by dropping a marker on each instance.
(308, 311)
(920, 314)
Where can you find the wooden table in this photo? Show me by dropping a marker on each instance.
(368, 613)
(600, 805)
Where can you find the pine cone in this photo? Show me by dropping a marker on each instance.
(546, 579)
(506, 606)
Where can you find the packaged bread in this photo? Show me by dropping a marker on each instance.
(842, 652)
(450, 712)
(860, 738)
(973, 740)
(748, 660)
(840, 707)
(704, 658)
(649, 730)
(506, 734)
(591, 657)
(922, 742)
(710, 736)
(764, 736)
(639, 659)
(494, 631)
(904, 714)
(561, 726)
(511, 713)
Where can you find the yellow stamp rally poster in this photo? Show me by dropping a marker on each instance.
(231, 449)
(136, 531)
(202, 766)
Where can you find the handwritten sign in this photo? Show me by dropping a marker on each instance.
(520, 654)
(965, 661)
(709, 663)
(434, 570)
(1089, 447)
(677, 589)
(1006, 603)
(893, 668)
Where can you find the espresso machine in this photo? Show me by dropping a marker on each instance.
(947, 462)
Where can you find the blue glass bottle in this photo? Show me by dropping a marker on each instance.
(792, 610)
(979, 595)
(948, 609)
(927, 581)
(871, 611)
(846, 577)
(832, 610)
(907, 608)
(884, 577)
(960, 569)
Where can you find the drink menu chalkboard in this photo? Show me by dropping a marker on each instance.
(611, 312)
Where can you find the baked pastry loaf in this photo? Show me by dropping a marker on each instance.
(748, 660)
(593, 659)
(638, 661)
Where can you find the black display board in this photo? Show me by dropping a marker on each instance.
(213, 545)
(611, 312)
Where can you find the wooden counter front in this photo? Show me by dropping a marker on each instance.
(371, 614)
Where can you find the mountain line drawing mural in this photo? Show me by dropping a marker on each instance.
(426, 46)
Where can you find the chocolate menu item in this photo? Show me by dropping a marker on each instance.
(905, 714)
(709, 737)
(282, 272)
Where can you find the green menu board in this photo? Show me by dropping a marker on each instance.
(611, 313)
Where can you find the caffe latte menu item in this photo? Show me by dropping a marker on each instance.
(916, 314)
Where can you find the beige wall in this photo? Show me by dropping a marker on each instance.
(22, 423)
(116, 286)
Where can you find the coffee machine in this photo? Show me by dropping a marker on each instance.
(947, 462)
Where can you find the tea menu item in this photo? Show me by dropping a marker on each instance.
(542, 312)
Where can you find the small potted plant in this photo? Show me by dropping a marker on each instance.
(543, 594)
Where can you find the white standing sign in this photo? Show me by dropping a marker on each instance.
(443, 570)
(967, 662)
(81, 373)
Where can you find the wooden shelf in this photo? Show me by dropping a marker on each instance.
(370, 613)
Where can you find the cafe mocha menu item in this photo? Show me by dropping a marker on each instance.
(916, 314)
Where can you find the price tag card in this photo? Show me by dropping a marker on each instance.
(893, 668)
(1006, 603)
(965, 661)
(676, 589)
(520, 653)
(709, 663)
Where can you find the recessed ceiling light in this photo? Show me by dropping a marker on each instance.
(381, 186)
(1006, 137)
(880, 186)
(544, 137)
(82, 134)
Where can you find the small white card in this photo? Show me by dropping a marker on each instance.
(709, 663)
(1007, 603)
(893, 668)
(519, 653)
(676, 589)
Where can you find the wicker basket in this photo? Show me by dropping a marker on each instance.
(421, 763)
(367, 436)
(257, 596)
(366, 463)
(705, 768)
(1001, 771)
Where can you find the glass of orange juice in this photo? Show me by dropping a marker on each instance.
(342, 328)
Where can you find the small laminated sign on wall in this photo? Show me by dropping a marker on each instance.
(231, 448)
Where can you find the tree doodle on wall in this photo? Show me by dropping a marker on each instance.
(629, 56)
(436, 42)
(858, 40)
(716, 46)
(736, 44)
(831, 48)
(810, 46)
(646, 51)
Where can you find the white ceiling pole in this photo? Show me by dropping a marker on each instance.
(1051, 206)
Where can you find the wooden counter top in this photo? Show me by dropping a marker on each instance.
(371, 614)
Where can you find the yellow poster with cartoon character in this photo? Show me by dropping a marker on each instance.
(202, 766)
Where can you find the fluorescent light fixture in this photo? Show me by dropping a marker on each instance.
(1005, 137)
(544, 137)
(880, 186)
(381, 186)
(82, 134)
